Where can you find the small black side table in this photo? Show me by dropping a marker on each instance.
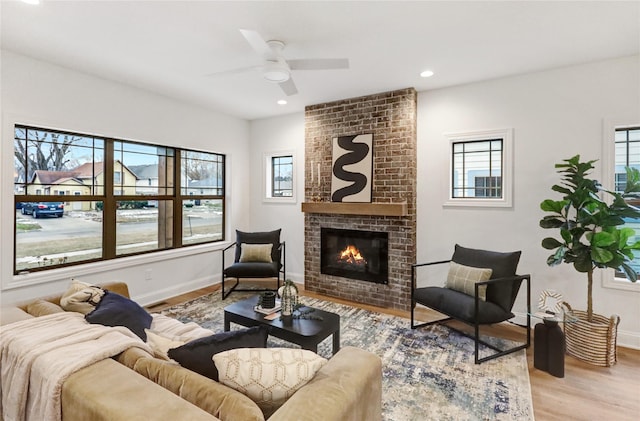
(549, 347)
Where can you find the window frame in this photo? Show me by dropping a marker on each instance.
(110, 197)
(267, 181)
(506, 201)
(609, 127)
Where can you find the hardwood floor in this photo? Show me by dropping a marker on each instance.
(585, 393)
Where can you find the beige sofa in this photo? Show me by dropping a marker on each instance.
(136, 386)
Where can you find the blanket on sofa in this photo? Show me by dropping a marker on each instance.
(37, 355)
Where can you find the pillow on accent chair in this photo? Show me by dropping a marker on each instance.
(503, 264)
(255, 253)
(268, 237)
(116, 310)
(464, 278)
(269, 376)
(197, 355)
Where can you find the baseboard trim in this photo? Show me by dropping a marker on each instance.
(182, 288)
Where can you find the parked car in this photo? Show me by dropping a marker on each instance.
(38, 209)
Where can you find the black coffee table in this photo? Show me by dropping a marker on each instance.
(307, 333)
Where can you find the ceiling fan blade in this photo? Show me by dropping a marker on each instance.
(258, 44)
(234, 71)
(319, 64)
(288, 87)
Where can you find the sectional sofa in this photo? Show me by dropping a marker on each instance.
(136, 385)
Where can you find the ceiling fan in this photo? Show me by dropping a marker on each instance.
(276, 68)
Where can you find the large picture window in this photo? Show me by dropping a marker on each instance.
(112, 198)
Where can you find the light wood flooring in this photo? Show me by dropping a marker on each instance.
(585, 393)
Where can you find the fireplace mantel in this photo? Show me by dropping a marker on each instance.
(348, 208)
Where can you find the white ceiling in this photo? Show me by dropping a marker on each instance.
(169, 47)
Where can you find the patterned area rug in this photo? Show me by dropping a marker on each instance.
(428, 373)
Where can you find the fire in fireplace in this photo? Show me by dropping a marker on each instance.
(355, 254)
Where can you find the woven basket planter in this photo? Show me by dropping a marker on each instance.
(593, 342)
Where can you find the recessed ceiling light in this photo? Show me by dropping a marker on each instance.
(31, 1)
(427, 73)
(282, 102)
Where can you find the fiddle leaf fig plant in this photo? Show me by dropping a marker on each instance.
(591, 230)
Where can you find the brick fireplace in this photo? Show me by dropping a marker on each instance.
(391, 118)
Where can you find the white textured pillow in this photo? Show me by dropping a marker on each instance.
(463, 278)
(269, 376)
(255, 253)
(161, 344)
(81, 297)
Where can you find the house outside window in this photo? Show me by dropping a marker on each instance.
(488, 186)
(122, 194)
(480, 169)
(279, 174)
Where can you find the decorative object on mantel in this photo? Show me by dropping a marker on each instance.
(289, 297)
(352, 168)
(590, 238)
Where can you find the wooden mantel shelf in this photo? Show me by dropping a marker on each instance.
(348, 208)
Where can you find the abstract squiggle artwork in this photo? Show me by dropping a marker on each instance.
(352, 168)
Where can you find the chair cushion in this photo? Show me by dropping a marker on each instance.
(268, 237)
(464, 278)
(255, 253)
(503, 265)
(252, 270)
(460, 305)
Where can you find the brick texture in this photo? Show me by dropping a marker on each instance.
(391, 118)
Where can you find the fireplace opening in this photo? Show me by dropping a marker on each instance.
(355, 254)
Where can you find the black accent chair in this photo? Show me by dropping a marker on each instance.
(259, 264)
(501, 292)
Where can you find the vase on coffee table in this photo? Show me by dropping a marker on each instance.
(289, 297)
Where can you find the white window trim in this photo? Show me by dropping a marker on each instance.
(609, 126)
(266, 181)
(507, 168)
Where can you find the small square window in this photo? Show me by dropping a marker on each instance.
(480, 169)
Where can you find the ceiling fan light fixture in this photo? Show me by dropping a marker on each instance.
(276, 72)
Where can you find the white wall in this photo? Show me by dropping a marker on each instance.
(555, 115)
(41, 94)
(276, 135)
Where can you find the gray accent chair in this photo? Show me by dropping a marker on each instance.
(252, 269)
(502, 290)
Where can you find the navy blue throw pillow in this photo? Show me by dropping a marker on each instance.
(117, 310)
(197, 355)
